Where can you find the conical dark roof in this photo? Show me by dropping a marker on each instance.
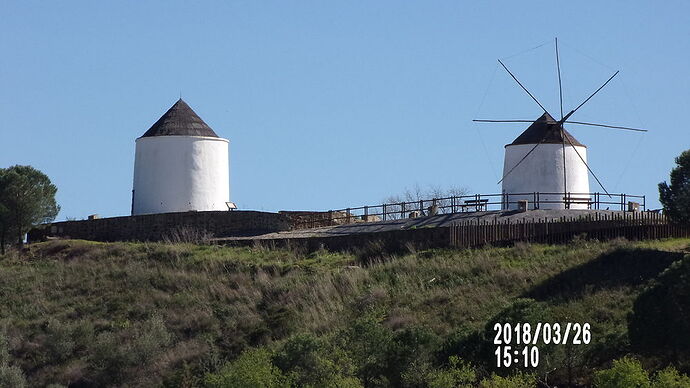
(545, 130)
(180, 120)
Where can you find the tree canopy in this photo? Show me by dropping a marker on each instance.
(27, 198)
(676, 196)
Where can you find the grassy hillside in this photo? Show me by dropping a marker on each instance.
(84, 314)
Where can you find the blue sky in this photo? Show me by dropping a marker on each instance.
(336, 104)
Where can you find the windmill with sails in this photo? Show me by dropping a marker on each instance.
(545, 165)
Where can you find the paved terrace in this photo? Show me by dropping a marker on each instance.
(439, 220)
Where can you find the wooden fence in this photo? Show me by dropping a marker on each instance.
(632, 226)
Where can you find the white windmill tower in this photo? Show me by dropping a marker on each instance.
(180, 165)
(551, 168)
(546, 165)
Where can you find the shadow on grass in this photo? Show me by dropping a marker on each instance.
(622, 267)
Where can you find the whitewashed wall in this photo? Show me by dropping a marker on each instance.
(180, 173)
(542, 171)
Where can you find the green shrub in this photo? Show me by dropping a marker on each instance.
(279, 319)
(670, 378)
(464, 343)
(518, 380)
(150, 339)
(458, 374)
(386, 358)
(185, 376)
(625, 373)
(312, 362)
(4, 349)
(112, 353)
(108, 357)
(628, 373)
(367, 342)
(662, 312)
(409, 356)
(59, 341)
(11, 376)
(252, 369)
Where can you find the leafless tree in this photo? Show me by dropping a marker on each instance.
(420, 199)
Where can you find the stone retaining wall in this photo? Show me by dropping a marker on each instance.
(153, 227)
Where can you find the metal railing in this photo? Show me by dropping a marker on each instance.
(468, 203)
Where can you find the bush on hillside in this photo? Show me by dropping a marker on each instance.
(367, 342)
(624, 373)
(628, 373)
(383, 357)
(670, 378)
(252, 369)
(458, 374)
(518, 380)
(465, 343)
(115, 352)
(10, 376)
(660, 319)
(313, 362)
